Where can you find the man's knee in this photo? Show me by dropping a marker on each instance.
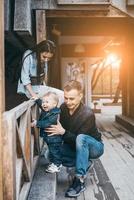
(80, 140)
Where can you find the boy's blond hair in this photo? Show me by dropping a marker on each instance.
(53, 95)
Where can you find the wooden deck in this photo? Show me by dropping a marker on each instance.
(112, 177)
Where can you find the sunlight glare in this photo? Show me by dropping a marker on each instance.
(113, 59)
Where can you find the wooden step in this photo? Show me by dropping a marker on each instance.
(44, 184)
(127, 122)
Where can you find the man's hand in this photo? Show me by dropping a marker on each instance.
(55, 129)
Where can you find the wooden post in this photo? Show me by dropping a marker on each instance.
(2, 99)
(40, 25)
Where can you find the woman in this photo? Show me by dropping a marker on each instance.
(34, 65)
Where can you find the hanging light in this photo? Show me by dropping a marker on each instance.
(55, 30)
(79, 48)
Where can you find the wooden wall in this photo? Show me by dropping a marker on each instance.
(2, 99)
(128, 76)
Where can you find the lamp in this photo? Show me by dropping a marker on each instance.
(79, 48)
(55, 30)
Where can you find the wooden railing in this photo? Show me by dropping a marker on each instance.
(21, 148)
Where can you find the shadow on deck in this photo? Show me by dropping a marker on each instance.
(112, 176)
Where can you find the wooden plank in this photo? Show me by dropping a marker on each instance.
(115, 131)
(118, 156)
(7, 15)
(9, 151)
(27, 147)
(26, 187)
(127, 122)
(78, 12)
(130, 3)
(20, 109)
(118, 171)
(40, 25)
(99, 185)
(19, 164)
(32, 151)
(22, 16)
(24, 191)
(23, 22)
(43, 185)
(22, 128)
(2, 95)
(82, 2)
(63, 182)
(94, 27)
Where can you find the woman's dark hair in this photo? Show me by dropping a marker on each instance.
(44, 46)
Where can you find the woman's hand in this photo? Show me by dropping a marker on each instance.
(55, 129)
(34, 96)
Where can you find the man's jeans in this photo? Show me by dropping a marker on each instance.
(87, 148)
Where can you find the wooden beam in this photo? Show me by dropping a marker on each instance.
(9, 151)
(22, 16)
(130, 3)
(7, 15)
(40, 25)
(91, 27)
(82, 2)
(2, 94)
(23, 22)
(91, 12)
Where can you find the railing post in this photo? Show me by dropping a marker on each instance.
(9, 157)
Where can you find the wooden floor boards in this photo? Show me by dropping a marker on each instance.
(112, 177)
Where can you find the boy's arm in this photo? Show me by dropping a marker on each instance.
(46, 122)
(33, 123)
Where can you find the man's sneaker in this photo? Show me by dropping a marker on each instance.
(52, 168)
(76, 188)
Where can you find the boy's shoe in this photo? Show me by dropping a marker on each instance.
(52, 168)
(76, 188)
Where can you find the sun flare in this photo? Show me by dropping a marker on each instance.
(113, 59)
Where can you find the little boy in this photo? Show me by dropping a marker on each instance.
(49, 116)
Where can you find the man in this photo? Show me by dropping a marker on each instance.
(82, 140)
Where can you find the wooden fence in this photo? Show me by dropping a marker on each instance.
(21, 147)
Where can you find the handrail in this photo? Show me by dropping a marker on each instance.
(21, 148)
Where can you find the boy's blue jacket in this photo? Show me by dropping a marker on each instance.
(47, 119)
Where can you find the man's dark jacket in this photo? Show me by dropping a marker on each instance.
(81, 122)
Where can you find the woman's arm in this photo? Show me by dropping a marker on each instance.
(25, 73)
(30, 90)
